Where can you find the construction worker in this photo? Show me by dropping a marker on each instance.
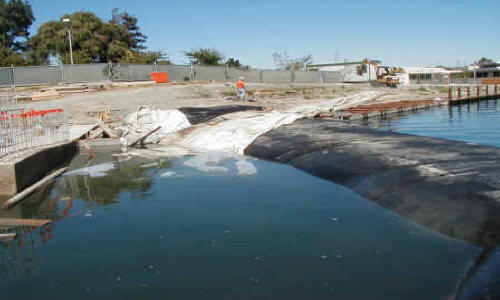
(240, 85)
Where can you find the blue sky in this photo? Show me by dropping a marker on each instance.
(418, 32)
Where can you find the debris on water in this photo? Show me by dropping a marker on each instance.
(256, 258)
(88, 214)
(93, 171)
(324, 257)
(209, 162)
(227, 231)
(245, 168)
(334, 219)
(325, 151)
(167, 174)
(254, 280)
(118, 278)
(151, 267)
(153, 164)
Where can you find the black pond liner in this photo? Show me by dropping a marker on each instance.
(197, 115)
(389, 168)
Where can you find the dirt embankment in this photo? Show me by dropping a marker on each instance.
(83, 107)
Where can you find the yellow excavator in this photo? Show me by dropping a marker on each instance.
(385, 75)
(388, 75)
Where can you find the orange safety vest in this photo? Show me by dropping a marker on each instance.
(240, 84)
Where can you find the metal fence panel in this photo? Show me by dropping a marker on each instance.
(306, 77)
(331, 77)
(6, 77)
(210, 73)
(252, 76)
(132, 72)
(175, 73)
(86, 73)
(271, 76)
(37, 75)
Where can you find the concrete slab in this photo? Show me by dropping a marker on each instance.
(18, 173)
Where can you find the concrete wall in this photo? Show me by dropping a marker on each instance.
(37, 75)
(21, 76)
(204, 73)
(331, 77)
(6, 77)
(132, 72)
(21, 173)
(272, 76)
(175, 72)
(306, 77)
(252, 76)
(86, 73)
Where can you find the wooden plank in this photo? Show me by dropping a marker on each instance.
(24, 222)
(89, 149)
(143, 137)
(96, 133)
(5, 237)
(20, 196)
(108, 131)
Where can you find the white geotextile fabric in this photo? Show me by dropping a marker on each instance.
(145, 120)
(235, 134)
(241, 129)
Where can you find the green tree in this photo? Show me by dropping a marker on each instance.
(136, 38)
(235, 63)
(484, 60)
(284, 62)
(93, 41)
(16, 16)
(205, 56)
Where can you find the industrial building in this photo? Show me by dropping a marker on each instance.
(356, 71)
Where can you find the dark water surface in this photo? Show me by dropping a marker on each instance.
(476, 123)
(131, 233)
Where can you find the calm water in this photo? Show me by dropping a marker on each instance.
(476, 123)
(175, 229)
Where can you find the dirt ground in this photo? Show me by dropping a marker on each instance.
(81, 108)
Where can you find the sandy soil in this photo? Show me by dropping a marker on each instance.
(81, 108)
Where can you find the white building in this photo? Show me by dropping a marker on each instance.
(435, 75)
(357, 71)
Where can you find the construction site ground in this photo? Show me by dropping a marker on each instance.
(121, 99)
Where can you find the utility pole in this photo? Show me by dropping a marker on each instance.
(66, 20)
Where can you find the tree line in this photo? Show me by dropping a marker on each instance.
(94, 40)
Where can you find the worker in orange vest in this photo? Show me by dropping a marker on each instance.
(240, 85)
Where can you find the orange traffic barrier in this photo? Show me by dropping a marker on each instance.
(160, 77)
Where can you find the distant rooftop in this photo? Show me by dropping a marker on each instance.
(492, 64)
(373, 61)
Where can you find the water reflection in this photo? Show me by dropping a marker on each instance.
(126, 176)
(264, 235)
(56, 201)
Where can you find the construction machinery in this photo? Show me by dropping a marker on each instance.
(388, 75)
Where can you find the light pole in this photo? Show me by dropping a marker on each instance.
(66, 20)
